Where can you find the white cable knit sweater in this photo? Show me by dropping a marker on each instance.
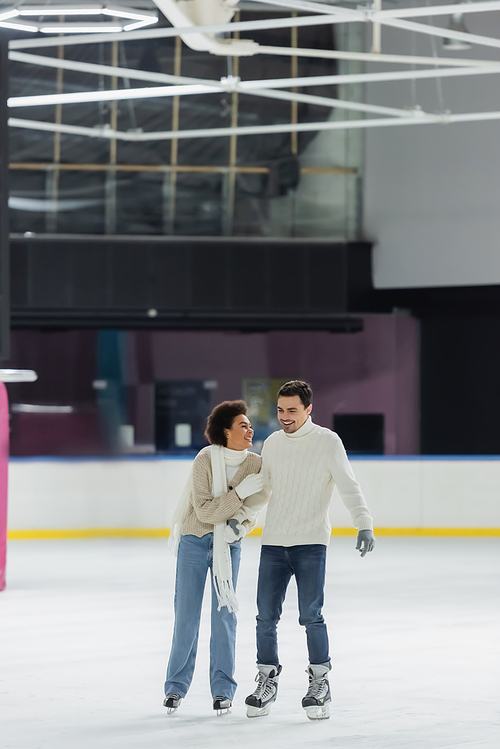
(303, 469)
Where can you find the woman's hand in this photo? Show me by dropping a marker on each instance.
(234, 531)
(250, 485)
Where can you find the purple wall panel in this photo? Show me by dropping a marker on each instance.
(375, 371)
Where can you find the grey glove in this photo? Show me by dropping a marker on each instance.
(234, 531)
(250, 485)
(366, 542)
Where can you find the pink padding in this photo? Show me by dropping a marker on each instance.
(4, 466)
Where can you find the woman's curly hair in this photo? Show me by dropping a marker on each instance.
(221, 418)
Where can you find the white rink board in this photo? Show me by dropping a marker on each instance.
(142, 493)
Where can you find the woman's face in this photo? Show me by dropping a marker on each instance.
(239, 437)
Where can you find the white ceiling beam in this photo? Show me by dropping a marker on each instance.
(270, 23)
(127, 73)
(164, 33)
(424, 119)
(243, 86)
(397, 75)
(165, 78)
(109, 70)
(334, 54)
(324, 101)
(483, 6)
(308, 7)
(120, 94)
(422, 28)
(441, 10)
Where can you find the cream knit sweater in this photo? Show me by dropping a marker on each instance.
(302, 470)
(204, 509)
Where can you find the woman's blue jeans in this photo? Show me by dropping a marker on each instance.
(194, 560)
(277, 565)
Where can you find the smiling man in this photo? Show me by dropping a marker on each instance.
(302, 464)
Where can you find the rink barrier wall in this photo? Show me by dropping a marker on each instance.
(135, 496)
(48, 534)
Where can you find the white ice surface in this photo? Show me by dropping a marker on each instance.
(85, 630)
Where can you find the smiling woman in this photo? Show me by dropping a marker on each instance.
(224, 475)
(240, 436)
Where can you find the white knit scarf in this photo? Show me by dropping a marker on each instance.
(221, 567)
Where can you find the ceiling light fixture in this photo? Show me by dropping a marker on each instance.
(80, 28)
(9, 14)
(18, 26)
(139, 18)
(59, 10)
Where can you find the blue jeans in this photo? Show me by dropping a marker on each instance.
(277, 565)
(194, 560)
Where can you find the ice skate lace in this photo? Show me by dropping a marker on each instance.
(317, 688)
(264, 686)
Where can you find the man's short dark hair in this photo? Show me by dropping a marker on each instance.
(297, 387)
(221, 418)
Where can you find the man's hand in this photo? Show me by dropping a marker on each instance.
(366, 542)
(233, 531)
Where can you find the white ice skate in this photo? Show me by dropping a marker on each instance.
(259, 702)
(172, 702)
(317, 701)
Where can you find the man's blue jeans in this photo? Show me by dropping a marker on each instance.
(277, 565)
(194, 560)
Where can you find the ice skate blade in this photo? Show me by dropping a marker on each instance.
(171, 710)
(226, 711)
(257, 712)
(318, 712)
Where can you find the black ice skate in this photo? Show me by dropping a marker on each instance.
(172, 702)
(316, 703)
(259, 702)
(222, 705)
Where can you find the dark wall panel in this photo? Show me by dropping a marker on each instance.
(170, 278)
(210, 276)
(326, 285)
(131, 275)
(288, 277)
(51, 277)
(89, 276)
(250, 280)
(460, 390)
(103, 282)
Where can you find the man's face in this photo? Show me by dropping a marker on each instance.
(292, 414)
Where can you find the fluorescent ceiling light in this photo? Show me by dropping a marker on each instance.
(88, 10)
(59, 10)
(138, 25)
(80, 28)
(123, 13)
(18, 26)
(139, 19)
(32, 408)
(18, 375)
(9, 14)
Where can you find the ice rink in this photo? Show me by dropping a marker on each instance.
(414, 630)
